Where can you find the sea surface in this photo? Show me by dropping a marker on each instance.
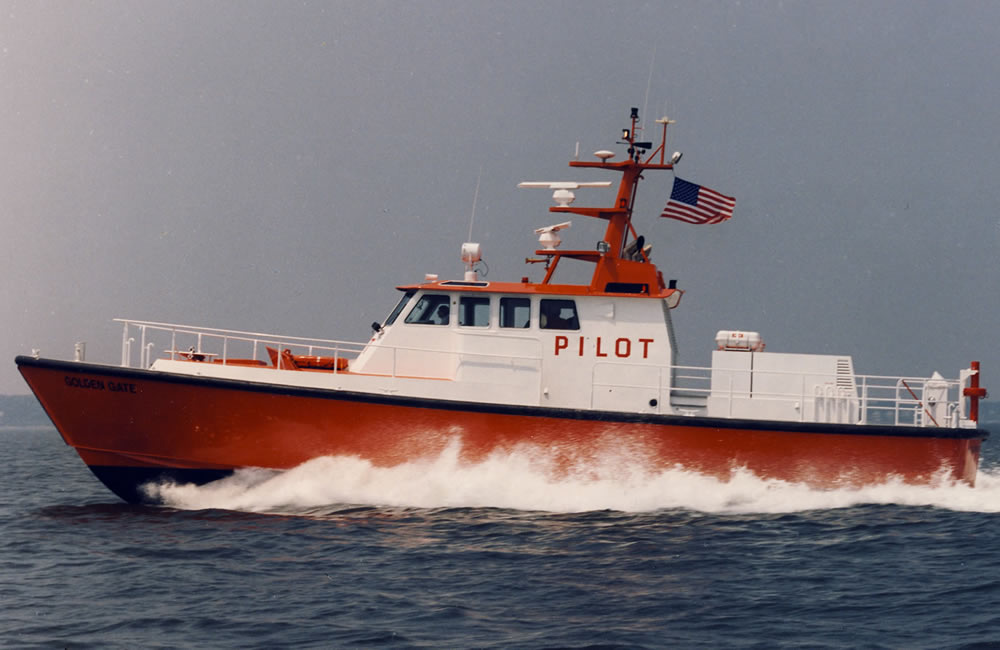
(337, 553)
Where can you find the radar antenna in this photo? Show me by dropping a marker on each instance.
(562, 194)
(548, 236)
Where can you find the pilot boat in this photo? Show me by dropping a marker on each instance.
(571, 374)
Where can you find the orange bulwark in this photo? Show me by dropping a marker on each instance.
(182, 429)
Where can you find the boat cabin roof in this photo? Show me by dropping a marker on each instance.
(635, 290)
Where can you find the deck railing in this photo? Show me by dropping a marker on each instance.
(223, 346)
(233, 347)
(872, 399)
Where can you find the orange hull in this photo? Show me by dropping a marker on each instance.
(131, 426)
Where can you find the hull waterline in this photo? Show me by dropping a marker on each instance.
(132, 427)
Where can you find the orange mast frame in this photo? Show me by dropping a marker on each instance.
(612, 268)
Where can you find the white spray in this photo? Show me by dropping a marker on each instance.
(522, 480)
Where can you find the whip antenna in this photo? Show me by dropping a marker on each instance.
(475, 198)
(649, 82)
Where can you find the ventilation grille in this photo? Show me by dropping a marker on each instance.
(845, 373)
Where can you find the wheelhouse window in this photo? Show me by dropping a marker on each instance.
(557, 315)
(515, 312)
(431, 309)
(474, 311)
(399, 307)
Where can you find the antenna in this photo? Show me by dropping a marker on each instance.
(666, 121)
(475, 198)
(562, 194)
(649, 82)
(548, 236)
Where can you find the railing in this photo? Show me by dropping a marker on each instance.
(687, 390)
(873, 399)
(911, 401)
(218, 345)
(233, 347)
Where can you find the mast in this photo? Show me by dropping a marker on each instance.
(614, 271)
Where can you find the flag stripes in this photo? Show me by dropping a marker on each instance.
(693, 203)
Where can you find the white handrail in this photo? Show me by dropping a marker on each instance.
(865, 400)
(256, 339)
(871, 395)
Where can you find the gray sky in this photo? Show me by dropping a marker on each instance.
(280, 166)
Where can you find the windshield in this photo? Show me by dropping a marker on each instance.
(431, 309)
(399, 308)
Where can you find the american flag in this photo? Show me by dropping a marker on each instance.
(696, 204)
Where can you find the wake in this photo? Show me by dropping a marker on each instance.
(520, 480)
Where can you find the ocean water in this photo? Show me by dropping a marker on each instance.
(337, 553)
